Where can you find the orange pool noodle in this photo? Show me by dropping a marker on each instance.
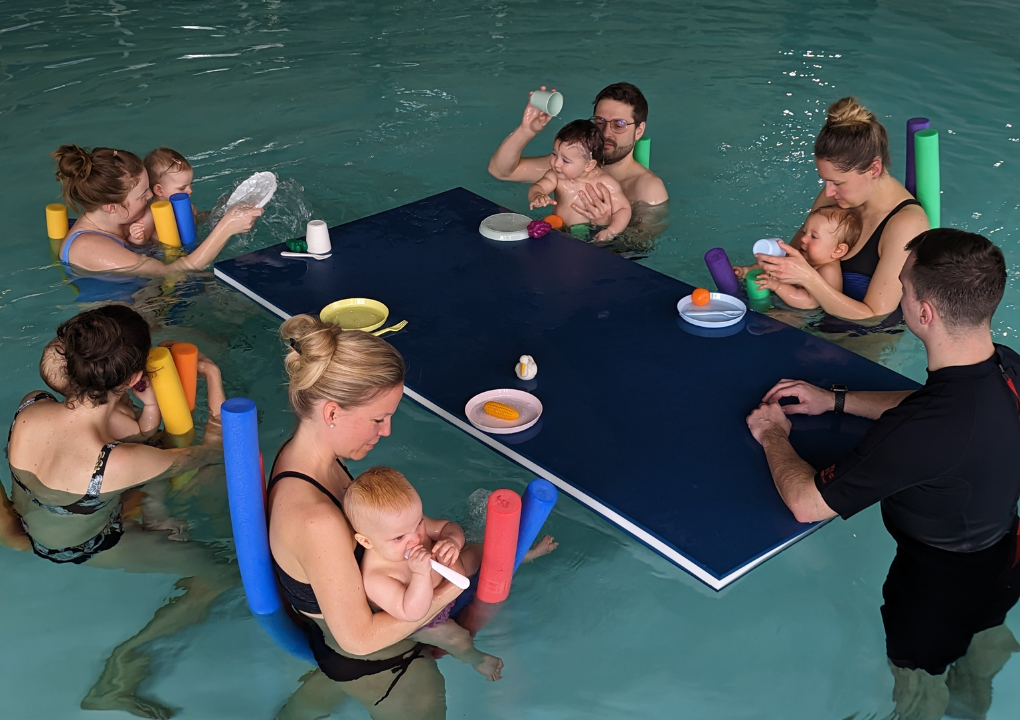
(186, 360)
(502, 522)
(555, 221)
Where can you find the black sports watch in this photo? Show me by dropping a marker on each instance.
(840, 392)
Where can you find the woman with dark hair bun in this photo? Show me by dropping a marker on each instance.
(111, 187)
(852, 158)
(69, 475)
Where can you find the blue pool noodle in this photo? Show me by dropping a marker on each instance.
(910, 178)
(185, 218)
(536, 505)
(247, 499)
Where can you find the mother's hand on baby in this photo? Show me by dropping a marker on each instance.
(594, 202)
(792, 269)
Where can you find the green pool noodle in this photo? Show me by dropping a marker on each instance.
(926, 158)
(642, 149)
(753, 291)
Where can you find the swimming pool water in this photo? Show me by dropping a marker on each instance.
(366, 106)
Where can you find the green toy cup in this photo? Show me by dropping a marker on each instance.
(753, 291)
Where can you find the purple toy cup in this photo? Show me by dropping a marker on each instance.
(722, 271)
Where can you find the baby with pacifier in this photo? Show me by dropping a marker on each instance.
(400, 543)
(576, 161)
(169, 173)
(830, 232)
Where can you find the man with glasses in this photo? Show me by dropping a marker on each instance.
(620, 113)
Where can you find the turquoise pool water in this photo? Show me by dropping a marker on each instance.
(366, 106)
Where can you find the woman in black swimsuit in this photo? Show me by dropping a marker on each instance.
(852, 158)
(344, 388)
(69, 475)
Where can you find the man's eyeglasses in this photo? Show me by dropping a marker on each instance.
(618, 125)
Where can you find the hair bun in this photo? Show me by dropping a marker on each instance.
(73, 162)
(847, 111)
(312, 344)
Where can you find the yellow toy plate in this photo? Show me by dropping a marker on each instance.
(356, 314)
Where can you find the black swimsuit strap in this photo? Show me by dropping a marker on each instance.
(308, 479)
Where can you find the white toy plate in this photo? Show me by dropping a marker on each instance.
(529, 406)
(726, 306)
(256, 190)
(505, 227)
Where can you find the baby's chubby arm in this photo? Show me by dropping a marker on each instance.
(447, 540)
(538, 194)
(741, 270)
(621, 211)
(792, 295)
(408, 602)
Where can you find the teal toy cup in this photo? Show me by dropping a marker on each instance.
(547, 101)
(753, 291)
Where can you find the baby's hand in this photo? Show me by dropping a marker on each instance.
(144, 392)
(445, 552)
(137, 231)
(419, 561)
(741, 271)
(542, 201)
(763, 281)
(603, 235)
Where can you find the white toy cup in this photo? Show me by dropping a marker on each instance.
(548, 101)
(768, 246)
(317, 237)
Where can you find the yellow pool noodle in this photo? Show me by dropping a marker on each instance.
(173, 404)
(166, 223)
(56, 221)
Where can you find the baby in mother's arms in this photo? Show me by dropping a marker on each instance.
(830, 232)
(576, 161)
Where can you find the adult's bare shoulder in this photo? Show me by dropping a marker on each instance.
(903, 227)
(95, 252)
(648, 188)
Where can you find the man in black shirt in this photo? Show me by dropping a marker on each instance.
(944, 463)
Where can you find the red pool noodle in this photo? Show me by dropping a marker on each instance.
(502, 522)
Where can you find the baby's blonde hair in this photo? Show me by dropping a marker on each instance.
(376, 491)
(53, 367)
(848, 223)
(162, 161)
(326, 363)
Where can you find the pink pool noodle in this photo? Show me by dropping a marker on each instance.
(502, 523)
(722, 271)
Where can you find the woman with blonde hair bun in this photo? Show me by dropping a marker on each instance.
(852, 159)
(344, 387)
(111, 188)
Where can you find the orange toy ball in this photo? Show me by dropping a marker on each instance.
(701, 296)
(555, 221)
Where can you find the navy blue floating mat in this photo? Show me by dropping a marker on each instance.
(643, 421)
